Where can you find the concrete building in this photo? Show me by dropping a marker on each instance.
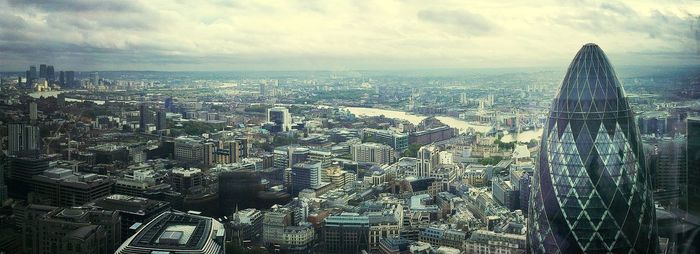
(23, 139)
(428, 160)
(443, 237)
(433, 135)
(286, 156)
(305, 175)
(189, 150)
(183, 179)
(177, 233)
(373, 153)
(63, 187)
(398, 141)
(133, 211)
(247, 225)
(488, 242)
(346, 233)
(505, 194)
(280, 118)
(71, 230)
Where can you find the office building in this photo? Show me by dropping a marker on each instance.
(281, 233)
(247, 225)
(373, 153)
(177, 233)
(432, 135)
(42, 71)
(70, 78)
(591, 191)
(145, 116)
(281, 119)
(489, 242)
(71, 230)
(4, 166)
(189, 150)
(346, 233)
(427, 161)
(161, 121)
(184, 179)
(398, 141)
(443, 237)
(23, 139)
(286, 156)
(668, 170)
(22, 169)
(305, 175)
(233, 151)
(63, 187)
(133, 211)
(50, 74)
(33, 112)
(693, 166)
(394, 245)
(32, 74)
(95, 79)
(505, 194)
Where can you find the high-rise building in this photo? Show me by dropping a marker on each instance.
(42, 71)
(177, 232)
(428, 158)
(23, 139)
(263, 89)
(281, 118)
(32, 74)
(667, 167)
(305, 175)
(70, 78)
(4, 165)
(95, 79)
(145, 116)
(233, 151)
(33, 112)
(693, 153)
(50, 73)
(161, 123)
(591, 191)
(62, 78)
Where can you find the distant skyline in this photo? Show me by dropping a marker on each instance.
(341, 35)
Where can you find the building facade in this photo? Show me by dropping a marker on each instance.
(591, 190)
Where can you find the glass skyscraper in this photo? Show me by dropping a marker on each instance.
(591, 191)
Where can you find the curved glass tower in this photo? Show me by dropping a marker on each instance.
(591, 191)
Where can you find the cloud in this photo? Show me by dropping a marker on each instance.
(464, 21)
(334, 34)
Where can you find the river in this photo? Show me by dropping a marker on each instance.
(462, 125)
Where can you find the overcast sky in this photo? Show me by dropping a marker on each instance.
(341, 35)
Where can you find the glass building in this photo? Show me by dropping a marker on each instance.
(591, 191)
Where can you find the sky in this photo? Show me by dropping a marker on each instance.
(217, 35)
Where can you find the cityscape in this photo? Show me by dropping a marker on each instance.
(317, 127)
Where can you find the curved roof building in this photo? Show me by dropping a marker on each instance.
(591, 191)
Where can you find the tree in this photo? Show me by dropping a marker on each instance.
(412, 151)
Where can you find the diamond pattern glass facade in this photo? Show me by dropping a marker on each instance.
(591, 192)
